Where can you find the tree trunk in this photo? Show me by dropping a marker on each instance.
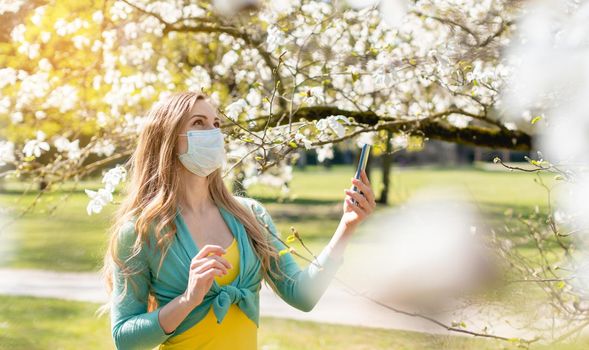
(43, 184)
(386, 161)
(302, 161)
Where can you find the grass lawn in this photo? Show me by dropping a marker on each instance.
(58, 324)
(58, 234)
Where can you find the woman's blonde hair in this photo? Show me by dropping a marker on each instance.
(151, 196)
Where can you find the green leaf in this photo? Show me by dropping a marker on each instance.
(535, 119)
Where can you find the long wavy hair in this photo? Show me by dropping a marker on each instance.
(152, 193)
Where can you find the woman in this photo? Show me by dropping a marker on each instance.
(185, 297)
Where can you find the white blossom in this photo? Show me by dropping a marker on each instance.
(37, 146)
(282, 6)
(17, 117)
(63, 27)
(235, 109)
(228, 60)
(460, 121)
(45, 37)
(98, 17)
(103, 148)
(299, 137)
(7, 77)
(98, 199)
(45, 65)
(113, 177)
(62, 144)
(275, 38)
(18, 33)
(324, 152)
(393, 12)
(5, 104)
(383, 78)
(400, 141)
(63, 97)
(80, 42)
(254, 98)
(6, 152)
(199, 78)
(39, 115)
(333, 123)
(29, 50)
(366, 138)
(10, 5)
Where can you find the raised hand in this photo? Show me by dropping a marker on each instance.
(356, 213)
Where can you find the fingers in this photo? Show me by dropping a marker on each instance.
(361, 212)
(220, 259)
(366, 190)
(362, 201)
(210, 273)
(364, 177)
(210, 249)
(208, 264)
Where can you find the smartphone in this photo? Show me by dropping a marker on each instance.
(361, 166)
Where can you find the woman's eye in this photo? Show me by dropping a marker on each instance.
(198, 121)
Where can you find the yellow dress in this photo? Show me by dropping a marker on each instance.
(235, 332)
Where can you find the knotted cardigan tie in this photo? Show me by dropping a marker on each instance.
(228, 295)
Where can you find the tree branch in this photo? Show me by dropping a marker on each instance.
(431, 127)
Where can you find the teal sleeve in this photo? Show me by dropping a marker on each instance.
(131, 325)
(301, 288)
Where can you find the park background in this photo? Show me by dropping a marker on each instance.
(76, 79)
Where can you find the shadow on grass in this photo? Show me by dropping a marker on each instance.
(299, 201)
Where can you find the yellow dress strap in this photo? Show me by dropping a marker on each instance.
(232, 255)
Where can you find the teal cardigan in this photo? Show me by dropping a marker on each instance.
(134, 328)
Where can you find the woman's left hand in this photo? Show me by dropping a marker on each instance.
(354, 214)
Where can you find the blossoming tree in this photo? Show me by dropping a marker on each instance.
(78, 78)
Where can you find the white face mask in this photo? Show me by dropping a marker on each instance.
(206, 151)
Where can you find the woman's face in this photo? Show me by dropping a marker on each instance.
(203, 116)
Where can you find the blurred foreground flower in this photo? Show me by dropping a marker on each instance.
(425, 253)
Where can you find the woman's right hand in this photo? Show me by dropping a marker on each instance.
(207, 264)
